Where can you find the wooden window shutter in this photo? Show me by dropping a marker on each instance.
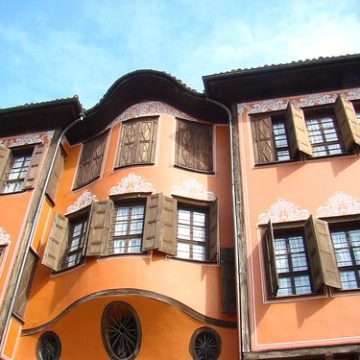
(213, 230)
(55, 175)
(297, 130)
(263, 140)
(34, 166)
(203, 155)
(4, 157)
(228, 284)
(57, 242)
(349, 125)
(152, 223)
(99, 234)
(25, 284)
(167, 238)
(127, 146)
(272, 280)
(91, 160)
(185, 144)
(321, 254)
(146, 137)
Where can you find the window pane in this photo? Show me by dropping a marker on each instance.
(348, 280)
(302, 285)
(284, 287)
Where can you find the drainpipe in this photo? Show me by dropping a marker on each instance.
(241, 312)
(33, 227)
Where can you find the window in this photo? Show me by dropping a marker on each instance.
(66, 244)
(91, 160)
(121, 331)
(346, 242)
(137, 142)
(197, 232)
(194, 146)
(315, 133)
(299, 258)
(49, 346)
(128, 231)
(205, 343)
(18, 167)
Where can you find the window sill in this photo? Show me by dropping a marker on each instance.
(78, 187)
(199, 262)
(118, 167)
(15, 192)
(210, 172)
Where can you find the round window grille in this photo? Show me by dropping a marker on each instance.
(49, 346)
(205, 344)
(121, 331)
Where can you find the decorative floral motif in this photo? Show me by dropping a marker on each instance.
(27, 139)
(151, 108)
(283, 211)
(83, 200)
(192, 189)
(338, 205)
(131, 183)
(303, 101)
(4, 237)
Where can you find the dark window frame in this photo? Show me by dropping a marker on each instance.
(133, 147)
(205, 343)
(49, 342)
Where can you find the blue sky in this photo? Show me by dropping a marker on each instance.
(53, 49)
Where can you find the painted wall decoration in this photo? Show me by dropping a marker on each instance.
(301, 101)
(339, 204)
(85, 199)
(131, 184)
(27, 139)
(192, 189)
(283, 211)
(4, 237)
(151, 108)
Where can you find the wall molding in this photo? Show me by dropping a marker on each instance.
(339, 204)
(131, 184)
(192, 189)
(85, 199)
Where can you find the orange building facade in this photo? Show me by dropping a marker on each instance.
(167, 224)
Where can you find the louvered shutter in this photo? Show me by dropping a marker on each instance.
(272, 280)
(228, 298)
(152, 223)
(263, 140)
(4, 157)
(349, 125)
(321, 254)
(297, 130)
(33, 170)
(57, 242)
(25, 284)
(213, 230)
(91, 160)
(55, 175)
(102, 214)
(167, 236)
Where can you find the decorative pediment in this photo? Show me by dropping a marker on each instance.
(283, 211)
(338, 205)
(85, 199)
(27, 139)
(4, 237)
(192, 189)
(151, 108)
(131, 184)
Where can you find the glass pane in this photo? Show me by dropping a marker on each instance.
(183, 250)
(199, 253)
(284, 287)
(302, 285)
(348, 279)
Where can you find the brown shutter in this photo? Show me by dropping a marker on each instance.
(349, 125)
(91, 160)
(57, 242)
(203, 155)
(55, 175)
(167, 238)
(228, 298)
(272, 280)
(4, 157)
(152, 223)
(127, 146)
(297, 130)
(34, 166)
(213, 229)
(321, 254)
(263, 140)
(25, 284)
(100, 227)
(185, 144)
(145, 141)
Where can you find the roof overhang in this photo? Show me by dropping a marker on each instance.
(292, 79)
